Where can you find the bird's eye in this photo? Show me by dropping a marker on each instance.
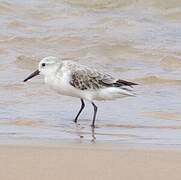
(43, 64)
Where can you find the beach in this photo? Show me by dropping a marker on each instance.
(86, 162)
(136, 138)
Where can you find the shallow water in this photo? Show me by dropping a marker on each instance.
(133, 40)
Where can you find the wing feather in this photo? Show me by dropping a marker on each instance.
(84, 78)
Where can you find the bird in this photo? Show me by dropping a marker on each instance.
(71, 78)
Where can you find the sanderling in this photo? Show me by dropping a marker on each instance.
(73, 79)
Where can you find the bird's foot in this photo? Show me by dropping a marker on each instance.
(75, 121)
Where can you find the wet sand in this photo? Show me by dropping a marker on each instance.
(87, 162)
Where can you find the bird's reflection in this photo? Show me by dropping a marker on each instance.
(93, 135)
(81, 133)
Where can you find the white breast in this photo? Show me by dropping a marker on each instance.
(61, 84)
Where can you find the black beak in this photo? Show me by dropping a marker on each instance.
(37, 72)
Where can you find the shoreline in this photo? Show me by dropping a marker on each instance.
(85, 144)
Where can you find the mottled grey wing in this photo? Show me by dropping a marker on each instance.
(86, 79)
(89, 79)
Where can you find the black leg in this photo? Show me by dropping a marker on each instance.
(94, 117)
(82, 107)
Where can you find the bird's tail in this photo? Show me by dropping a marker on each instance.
(126, 92)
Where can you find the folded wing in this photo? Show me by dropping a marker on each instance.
(88, 79)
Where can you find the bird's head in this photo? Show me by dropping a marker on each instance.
(46, 66)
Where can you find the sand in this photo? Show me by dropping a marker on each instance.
(90, 163)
